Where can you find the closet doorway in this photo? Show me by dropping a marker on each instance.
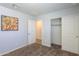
(56, 32)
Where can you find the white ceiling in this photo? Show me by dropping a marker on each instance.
(36, 9)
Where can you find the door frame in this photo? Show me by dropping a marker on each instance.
(51, 29)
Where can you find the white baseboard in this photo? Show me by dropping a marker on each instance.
(48, 45)
(29, 43)
(76, 52)
(12, 50)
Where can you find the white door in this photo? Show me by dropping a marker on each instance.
(56, 31)
(31, 31)
(76, 30)
(70, 33)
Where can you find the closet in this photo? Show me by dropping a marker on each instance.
(56, 31)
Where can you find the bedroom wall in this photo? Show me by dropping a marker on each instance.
(12, 39)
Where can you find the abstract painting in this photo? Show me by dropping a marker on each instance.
(9, 23)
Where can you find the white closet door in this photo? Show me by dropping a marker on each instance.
(56, 31)
(70, 33)
(76, 30)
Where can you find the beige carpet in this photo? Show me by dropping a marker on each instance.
(38, 50)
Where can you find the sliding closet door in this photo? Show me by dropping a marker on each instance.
(56, 31)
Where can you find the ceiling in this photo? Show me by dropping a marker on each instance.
(36, 9)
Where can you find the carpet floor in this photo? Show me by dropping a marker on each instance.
(38, 50)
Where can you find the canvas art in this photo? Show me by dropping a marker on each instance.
(9, 23)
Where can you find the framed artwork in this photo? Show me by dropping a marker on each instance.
(9, 23)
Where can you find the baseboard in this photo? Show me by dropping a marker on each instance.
(12, 50)
(71, 52)
(29, 43)
(56, 45)
(48, 45)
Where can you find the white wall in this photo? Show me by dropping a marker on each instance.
(12, 39)
(46, 36)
